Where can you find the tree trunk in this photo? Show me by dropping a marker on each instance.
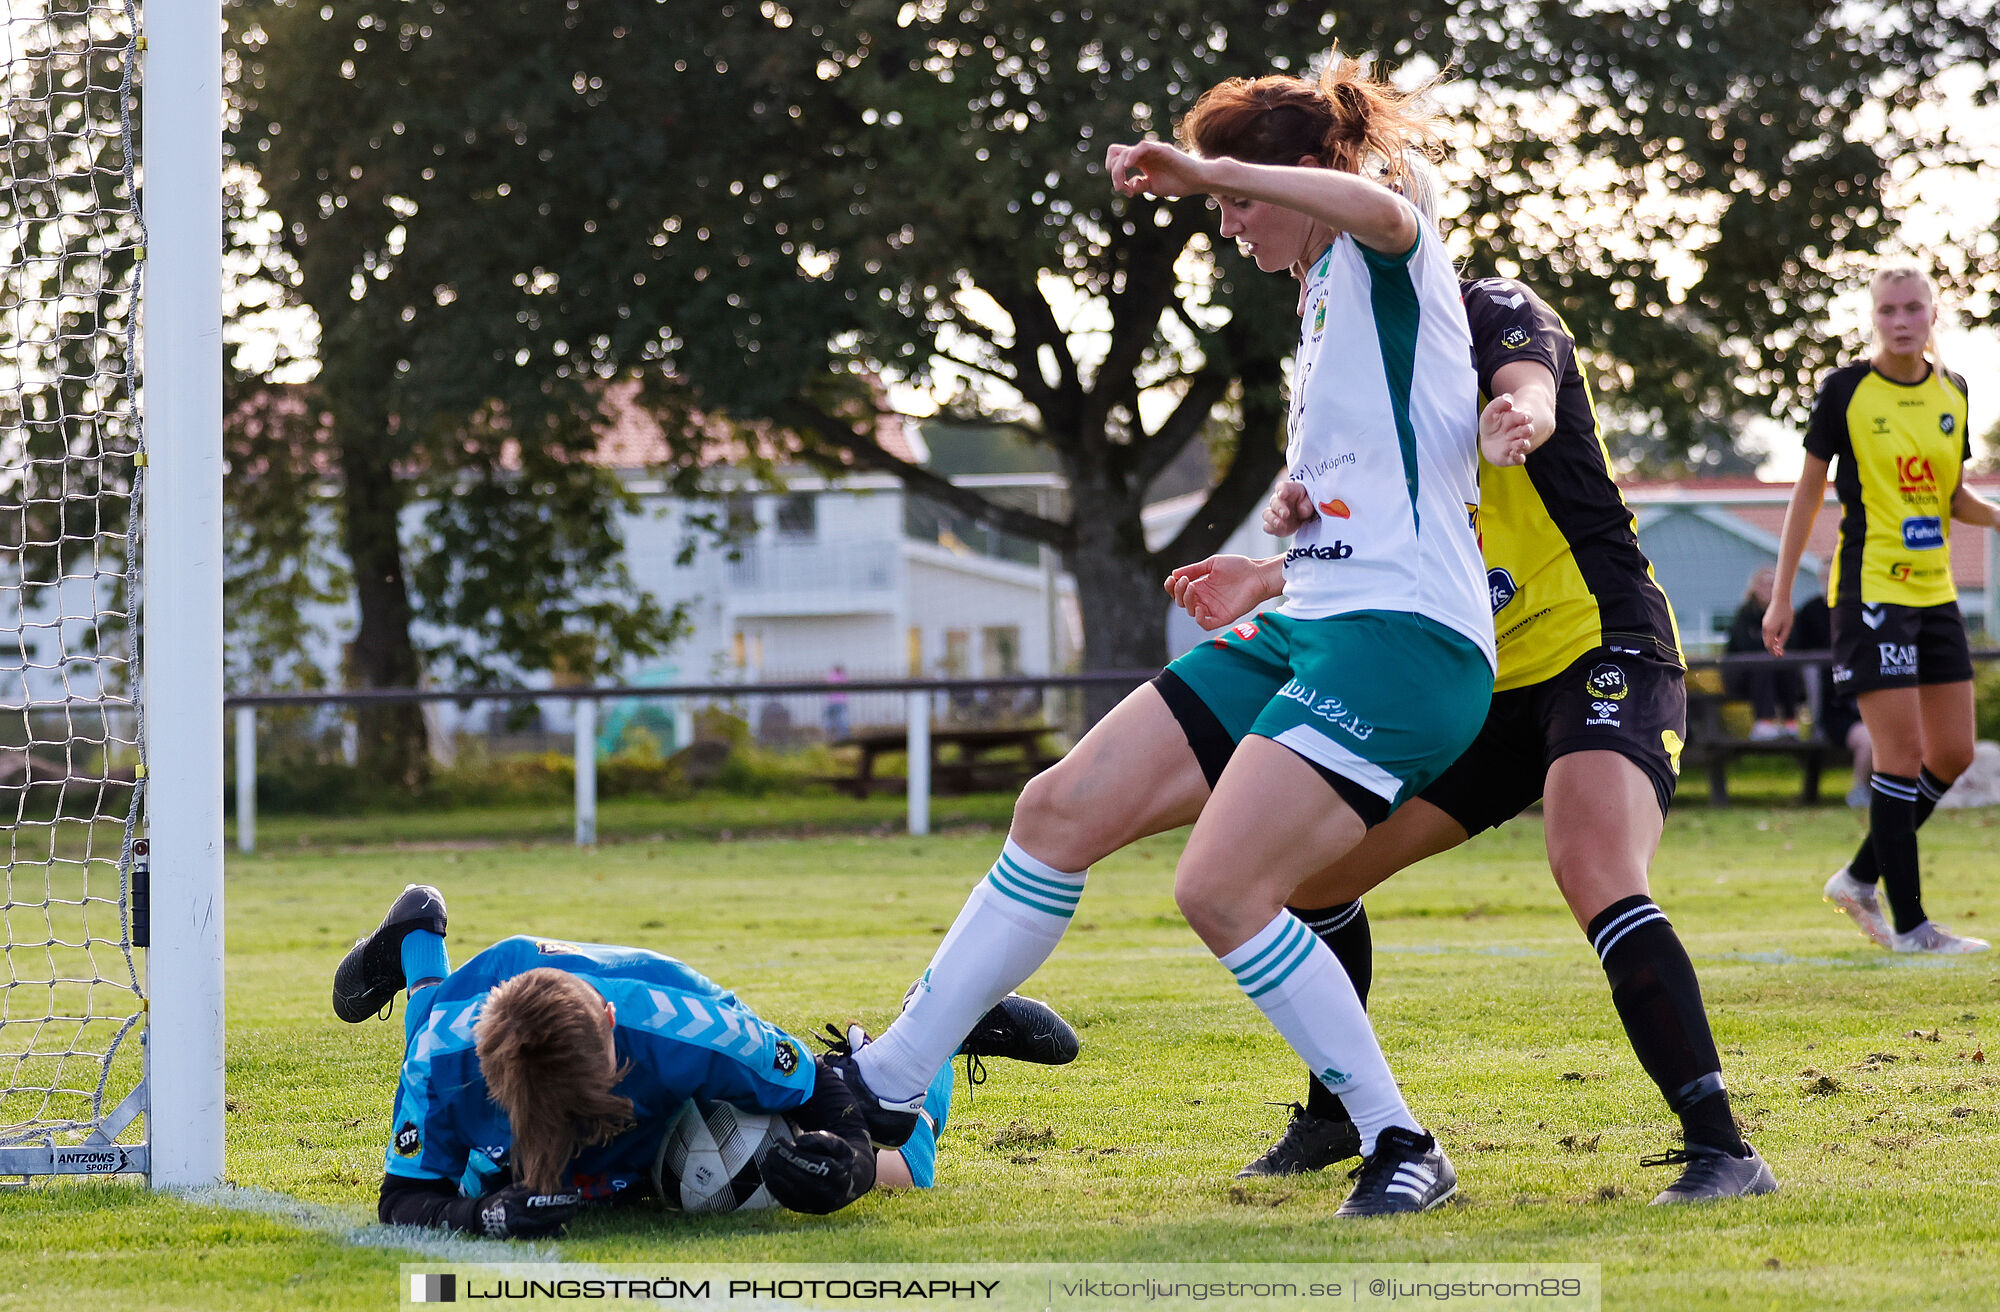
(1124, 606)
(392, 744)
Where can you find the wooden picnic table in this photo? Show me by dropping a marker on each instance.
(978, 765)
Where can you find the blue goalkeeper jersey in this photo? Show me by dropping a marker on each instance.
(683, 1036)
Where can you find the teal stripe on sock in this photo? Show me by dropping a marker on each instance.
(1273, 951)
(1045, 907)
(1295, 958)
(1041, 883)
(1025, 888)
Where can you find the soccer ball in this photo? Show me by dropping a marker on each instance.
(708, 1157)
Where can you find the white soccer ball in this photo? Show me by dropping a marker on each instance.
(709, 1156)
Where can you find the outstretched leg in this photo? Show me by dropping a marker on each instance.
(1132, 775)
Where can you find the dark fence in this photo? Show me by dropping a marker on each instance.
(969, 715)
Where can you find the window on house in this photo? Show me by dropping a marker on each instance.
(1000, 651)
(798, 515)
(740, 514)
(957, 651)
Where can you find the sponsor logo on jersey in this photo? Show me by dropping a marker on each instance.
(1336, 507)
(1898, 658)
(1319, 318)
(1602, 712)
(1607, 681)
(1500, 588)
(408, 1141)
(1321, 468)
(1947, 422)
(1245, 630)
(1336, 550)
(786, 1058)
(1914, 474)
(1331, 709)
(1872, 614)
(1514, 338)
(1520, 624)
(1881, 425)
(1841, 674)
(1900, 571)
(1923, 533)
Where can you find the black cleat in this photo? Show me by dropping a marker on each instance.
(1712, 1173)
(1022, 1029)
(890, 1124)
(371, 974)
(1309, 1143)
(1407, 1173)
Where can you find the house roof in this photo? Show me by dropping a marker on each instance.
(630, 438)
(633, 439)
(1760, 508)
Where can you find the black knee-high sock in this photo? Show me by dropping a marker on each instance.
(1658, 998)
(1344, 930)
(1892, 828)
(1930, 788)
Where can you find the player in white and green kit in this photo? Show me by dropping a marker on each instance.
(1370, 681)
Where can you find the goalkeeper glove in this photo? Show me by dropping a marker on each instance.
(516, 1212)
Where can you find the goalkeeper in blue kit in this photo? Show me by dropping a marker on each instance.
(540, 1076)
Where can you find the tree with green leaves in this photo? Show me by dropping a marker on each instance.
(474, 415)
(762, 208)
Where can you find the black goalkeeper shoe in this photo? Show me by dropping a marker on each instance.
(1022, 1029)
(890, 1124)
(1712, 1173)
(1407, 1173)
(371, 974)
(1309, 1143)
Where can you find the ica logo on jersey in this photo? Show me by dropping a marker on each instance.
(1914, 475)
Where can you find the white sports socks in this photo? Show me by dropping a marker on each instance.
(1301, 989)
(1006, 930)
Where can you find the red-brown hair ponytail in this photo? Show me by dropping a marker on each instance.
(1346, 120)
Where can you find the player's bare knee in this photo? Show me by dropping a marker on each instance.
(1949, 763)
(1223, 917)
(1054, 821)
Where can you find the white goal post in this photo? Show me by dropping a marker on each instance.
(111, 997)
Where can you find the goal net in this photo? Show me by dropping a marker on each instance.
(71, 733)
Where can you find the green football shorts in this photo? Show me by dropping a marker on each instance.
(1380, 699)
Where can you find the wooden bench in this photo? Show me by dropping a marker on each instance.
(1712, 746)
(979, 766)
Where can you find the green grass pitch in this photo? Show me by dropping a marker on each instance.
(1860, 1075)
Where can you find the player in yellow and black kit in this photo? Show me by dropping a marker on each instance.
(1588, 712)
(1896, 423)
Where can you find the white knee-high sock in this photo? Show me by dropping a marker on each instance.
(1010, 924)
(1301, 989)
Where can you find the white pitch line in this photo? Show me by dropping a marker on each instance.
(442, 1245)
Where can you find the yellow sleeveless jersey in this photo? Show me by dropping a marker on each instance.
(1898, 450)
(1564, 571)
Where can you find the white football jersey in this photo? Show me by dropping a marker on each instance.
(1383, 433)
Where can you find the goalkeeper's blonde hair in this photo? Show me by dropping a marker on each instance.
(544, 1045)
